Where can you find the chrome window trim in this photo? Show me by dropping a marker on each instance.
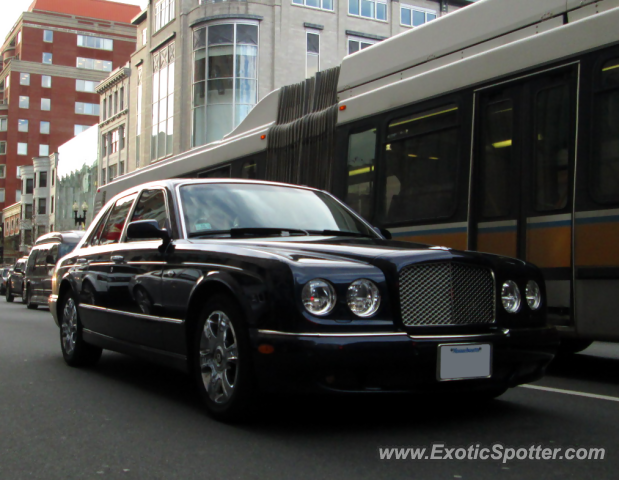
(131, 314)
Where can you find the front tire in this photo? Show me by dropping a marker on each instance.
(76, 352)
(29, 304)
(221, 360)
(9, 296)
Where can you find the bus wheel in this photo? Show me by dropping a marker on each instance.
(573, 345)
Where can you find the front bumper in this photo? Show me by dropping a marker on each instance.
(52, 302)
(394, 362)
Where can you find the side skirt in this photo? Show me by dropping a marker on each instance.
(154, 355)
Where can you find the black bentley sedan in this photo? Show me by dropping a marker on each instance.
(263, 286)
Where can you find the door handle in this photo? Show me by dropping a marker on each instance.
(117, 258)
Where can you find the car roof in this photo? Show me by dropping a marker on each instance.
(70, 236)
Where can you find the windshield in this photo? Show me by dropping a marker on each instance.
(225, 207)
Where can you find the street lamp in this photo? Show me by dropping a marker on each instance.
(80, 220)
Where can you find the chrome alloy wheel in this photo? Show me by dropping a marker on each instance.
(69, 326)
(219, 357)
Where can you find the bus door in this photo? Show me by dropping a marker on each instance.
(523, 160)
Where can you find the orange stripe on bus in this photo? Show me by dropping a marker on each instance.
(451, 240)
(550, 247)
(500, 243)
(596, 244)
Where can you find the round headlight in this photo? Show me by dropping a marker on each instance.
(318, 297)
(363, 298)
(534, 297)
(510, 296)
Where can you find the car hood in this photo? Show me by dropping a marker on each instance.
(355, 250)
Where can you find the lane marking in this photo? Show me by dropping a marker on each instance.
(572, 392)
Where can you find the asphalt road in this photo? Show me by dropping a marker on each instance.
(126, 419)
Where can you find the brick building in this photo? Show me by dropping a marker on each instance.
(52, 60)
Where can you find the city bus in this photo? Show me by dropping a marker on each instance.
(494, 128)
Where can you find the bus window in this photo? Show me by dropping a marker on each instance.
(249, 169)
(604, 184)
(222, 172)
(552, 122)
(496, 159)
(421, 166)
(361, 153)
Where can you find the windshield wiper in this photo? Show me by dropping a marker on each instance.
(340, 233)
(260, 231)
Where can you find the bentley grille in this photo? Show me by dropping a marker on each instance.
(446, 294)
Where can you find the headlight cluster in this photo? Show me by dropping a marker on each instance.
(362, 297)
(512, 299)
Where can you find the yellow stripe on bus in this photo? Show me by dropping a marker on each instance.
(596, 244)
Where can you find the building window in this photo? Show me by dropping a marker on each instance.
(413, 17)
(2, 148)
(51, 210)
(42, 204)
(28, 210)
(46, 81)
(121, 135)
(110, 106)
(85, 86)
(48, 36)
(17, 195)
(103, 176)
(122, 98)
(322, 4)
(24, 102)
(376, 9)
(43, 152)
(144, 36)
(104, 109)
(92, 64)
(312, 63)
(115, 103)
(104, 145)
(43, 177)
(47, 58)
(44, 128)
(3, 123)
(114, 144)
(87, 108)
(111, 173)
(29, 186)
(24, 79)
(22, 149)
(225, 79)
(22, 125)
(2, 171)
(355, 44)
(139, 119)
(77, 129)
(163, 102)
(46, 104)
(1, 195)
(164, 13)
(95, 42)
(18, 172)
(18, 38)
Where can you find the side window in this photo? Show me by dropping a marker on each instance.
(151, 206)
(116, 221)
(30, 263)
(53, 253)
(41, 257)
(96, 233)
(604, 181)
(421, 163)
(361, 153)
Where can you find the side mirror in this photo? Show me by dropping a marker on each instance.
(384, 232)
(18, 270)
(146, 229)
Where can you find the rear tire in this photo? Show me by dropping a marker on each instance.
(29, 304)
(221, 360)
(9, 295)
(76, 352)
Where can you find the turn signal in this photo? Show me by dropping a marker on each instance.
(266, 349)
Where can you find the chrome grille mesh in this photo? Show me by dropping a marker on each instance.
(446, 294)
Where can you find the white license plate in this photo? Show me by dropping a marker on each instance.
(466, 360)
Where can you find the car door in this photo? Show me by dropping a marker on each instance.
(135, 277)
(35, 281)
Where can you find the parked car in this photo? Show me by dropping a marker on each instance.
(4, 276)
(256, 285)
(15, 282)
(45, 253)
